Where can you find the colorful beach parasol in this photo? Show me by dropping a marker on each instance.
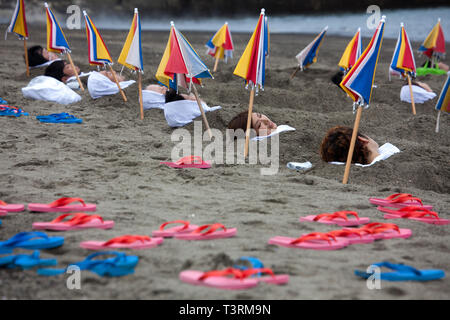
(98, 52)
(19, 26)
(56, 40)
(443, 103)
(220, 45)
(131, 55)
(182, 66)
(358, 84)
(352, 52)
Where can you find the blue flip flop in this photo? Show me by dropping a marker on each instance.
(403, 273)
(59, 118)
(31, 240)
(9, 111)
(25, 261)
(3, 101)
(254, 263)
(117, 266)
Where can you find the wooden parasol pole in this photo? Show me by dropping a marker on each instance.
(201, 110)
(217, 59)
(249, 121)
(117, 82)
(352, 145)
(437, 121)
(75, 70)
(26, 56)
(412, 96)
(295, 72)
(141, 103)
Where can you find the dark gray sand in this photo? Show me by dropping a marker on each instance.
(113, 159)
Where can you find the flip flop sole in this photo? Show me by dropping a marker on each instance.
(40, 207)
(424, 220)
(387, 203)
(99, 245)
(65, 227)
(338, 221)
(313, 244)
(13, 208)
(171, 232)
(192, 276)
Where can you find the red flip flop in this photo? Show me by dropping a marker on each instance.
(314, 241)
(239, 279)
(62, 205)
(79, 221)
(414, 213)
(353, 236)
(399, 200)
(340, 218)
(123, 242)
(189, 162)
(11, 207)
(167, 233)
(208, 232)
(386, 231)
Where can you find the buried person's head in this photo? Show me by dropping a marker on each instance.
(259, 122)
(336, 144)
(61, 70)
(38, 56)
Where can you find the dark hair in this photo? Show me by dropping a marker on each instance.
(35, 56)
(56, 70)
(336, 144)
(172, 95)
(337, 78)
(239, 122)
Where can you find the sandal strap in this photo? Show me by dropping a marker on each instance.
(249, 272)
(337, 214)
(190, 160)
(236, 273)
(127, 239)
(403, 197)
(416, 211)
(346, 232)
(3, 203)
(212, 228)
(61, 202)
(314, 236)
(186, 224)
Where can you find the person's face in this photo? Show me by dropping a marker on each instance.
(69, 71)
(157, 88)
(50, 56)
(262, 124)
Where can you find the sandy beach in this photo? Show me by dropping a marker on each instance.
(113, 160)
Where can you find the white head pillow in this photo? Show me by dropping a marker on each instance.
(49, 89)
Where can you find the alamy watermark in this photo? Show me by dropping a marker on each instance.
(74, 280)
(374, 281)
(375, 16)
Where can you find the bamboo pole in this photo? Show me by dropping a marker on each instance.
(249, 121)
(26, 57)
(75, 70)
(217, 63)
(437, 121)
(201, 110)
(295, 72)
(412, 96)
(117, 82)
(141, 103)
(352, 145)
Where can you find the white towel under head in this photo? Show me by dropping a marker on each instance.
(49, 89)
(153, 100)
(420, 94)
(386, 151)
(280, 129)
(180, 113)
(100, 85)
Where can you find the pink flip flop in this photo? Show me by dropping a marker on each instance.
(123, 242)
(3, 213)
(399, 200)
(414, 213)
(185, 228)
(11, 207)
(340, 218)
(240, 279)
(353, 236)
(386, 231)
(210, 234)
(62, 205)
(79, 221)
(189, 162)
(314, 241)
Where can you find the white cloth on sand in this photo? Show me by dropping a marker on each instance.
(72, 82)
(153, 100)
(44, 64)
(49, 89)
(280, 129)
(386, 151)
(420, 94)
(180, 113)
(100, 85)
